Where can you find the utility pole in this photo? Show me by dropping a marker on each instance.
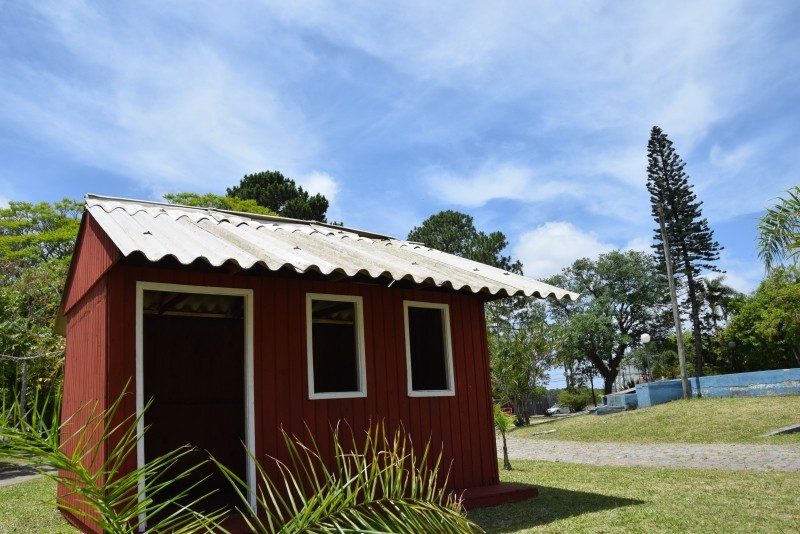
(674, 298)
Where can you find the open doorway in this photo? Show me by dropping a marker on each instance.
(194, 367)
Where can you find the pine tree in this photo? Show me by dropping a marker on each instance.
(691, 240)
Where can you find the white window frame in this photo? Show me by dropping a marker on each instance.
(249, 403)
(448, 349)
(360, 355)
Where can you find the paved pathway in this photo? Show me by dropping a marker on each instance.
(14, 473)
(710, 456)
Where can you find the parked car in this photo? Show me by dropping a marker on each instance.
(556, 409)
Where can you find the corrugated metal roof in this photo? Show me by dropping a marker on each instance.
(188, 234)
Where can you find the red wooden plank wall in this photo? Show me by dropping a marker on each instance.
(84, 375)
(460, 425)
(94, 255)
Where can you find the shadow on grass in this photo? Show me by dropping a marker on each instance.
(11, 470)
(551, 505)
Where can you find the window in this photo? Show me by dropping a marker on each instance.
(429, 355)
(335, 331)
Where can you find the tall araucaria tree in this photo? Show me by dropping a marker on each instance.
(691, 240)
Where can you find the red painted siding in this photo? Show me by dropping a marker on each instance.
(461, 425)
(95, 253)
(84, 375)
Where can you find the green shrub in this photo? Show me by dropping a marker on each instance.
(575, 399)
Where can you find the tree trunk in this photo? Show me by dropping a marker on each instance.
(506, 461)
(696, 329)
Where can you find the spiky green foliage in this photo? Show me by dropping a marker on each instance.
(273, 190)
(455, 233)
(691, 240)
(71, 454)
(779, 230)
(210, 200)
(379, 485)
(503, 422)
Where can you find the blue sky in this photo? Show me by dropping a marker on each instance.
(532, 117)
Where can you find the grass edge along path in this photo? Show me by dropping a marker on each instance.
(718, 420)
(581, 498)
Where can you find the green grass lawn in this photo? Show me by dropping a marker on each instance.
(580, 498)
(573, 498)
(29, 507)
(731, 420)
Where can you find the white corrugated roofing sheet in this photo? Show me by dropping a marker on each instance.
(189, 234)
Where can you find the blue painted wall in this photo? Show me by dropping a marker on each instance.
(653, 393)
(777, 382)
(756, 384)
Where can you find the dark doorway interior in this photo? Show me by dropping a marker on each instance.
(194, 373)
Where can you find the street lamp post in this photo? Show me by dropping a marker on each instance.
(645, 339)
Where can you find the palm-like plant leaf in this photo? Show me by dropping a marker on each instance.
(381, 486)
(70, 452)
(779, 230)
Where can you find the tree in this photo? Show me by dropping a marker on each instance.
(273, 190)
(36, 243)
(622, 296)
(520, 354)
(718, 296)
(779, 230)
(220, 202)
(691, 240)
(503, 423)
(33, 233)
(31, 352)
(455, 233)
(764, 332)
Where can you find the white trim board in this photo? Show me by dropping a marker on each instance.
(249, 394)
(448, 348)
(360, 355)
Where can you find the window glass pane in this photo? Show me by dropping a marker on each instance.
(428, 351)
(333, 325)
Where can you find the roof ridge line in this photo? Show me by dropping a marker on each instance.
(247, 215)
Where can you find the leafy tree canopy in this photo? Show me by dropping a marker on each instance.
(779, 230)
(764, 332)
(220, 202)
(29, 305)
(520, 352)
(33, 233)
(273, 190)
(455, 233)
(622, 296)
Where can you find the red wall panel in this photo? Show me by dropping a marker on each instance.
(461, 425)
(84, 378)
(95, 253)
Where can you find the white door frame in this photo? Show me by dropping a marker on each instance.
(249, 397)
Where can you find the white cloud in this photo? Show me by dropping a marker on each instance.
(320, 182)
(554, 245)
(172, 113)
(493, 180)
(640, 244)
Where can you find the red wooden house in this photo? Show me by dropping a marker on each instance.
(237, 324)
